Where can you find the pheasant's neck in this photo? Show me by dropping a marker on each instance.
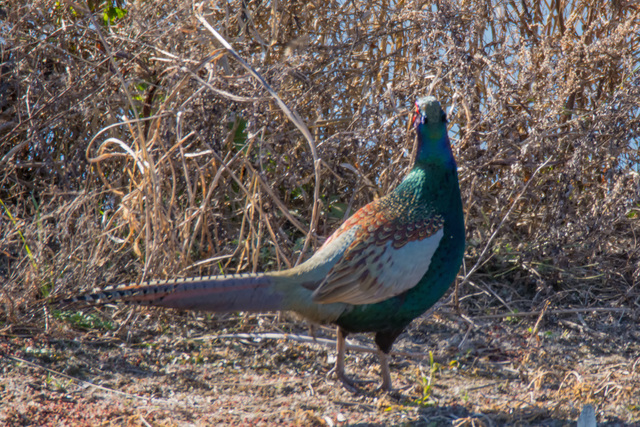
(431, 182)
(434, 148)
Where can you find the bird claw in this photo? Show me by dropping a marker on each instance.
(349, 383)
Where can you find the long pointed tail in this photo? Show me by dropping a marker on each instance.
(243, 292)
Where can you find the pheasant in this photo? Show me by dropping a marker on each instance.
(385, 266)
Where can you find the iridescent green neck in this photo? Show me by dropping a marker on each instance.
(428, 184)
(434, 147)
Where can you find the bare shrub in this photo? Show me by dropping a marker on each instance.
(136, 147)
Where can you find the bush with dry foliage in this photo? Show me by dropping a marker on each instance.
(132, 145)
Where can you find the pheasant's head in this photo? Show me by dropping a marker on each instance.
(432, 142)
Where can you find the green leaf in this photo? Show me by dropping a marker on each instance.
(112, 14)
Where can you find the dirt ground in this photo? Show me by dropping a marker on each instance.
(164, 368)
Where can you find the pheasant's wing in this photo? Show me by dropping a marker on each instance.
(389, 254)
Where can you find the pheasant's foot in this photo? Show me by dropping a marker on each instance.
(349, 383)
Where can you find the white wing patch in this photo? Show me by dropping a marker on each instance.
(379, 272)
(409, 264)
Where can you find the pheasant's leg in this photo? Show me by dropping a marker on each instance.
(341, 346)
(384, 340)
(385, 373)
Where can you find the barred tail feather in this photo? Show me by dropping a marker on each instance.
(243, 292)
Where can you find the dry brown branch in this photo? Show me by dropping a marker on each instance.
(554, 312)
(295, 118)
